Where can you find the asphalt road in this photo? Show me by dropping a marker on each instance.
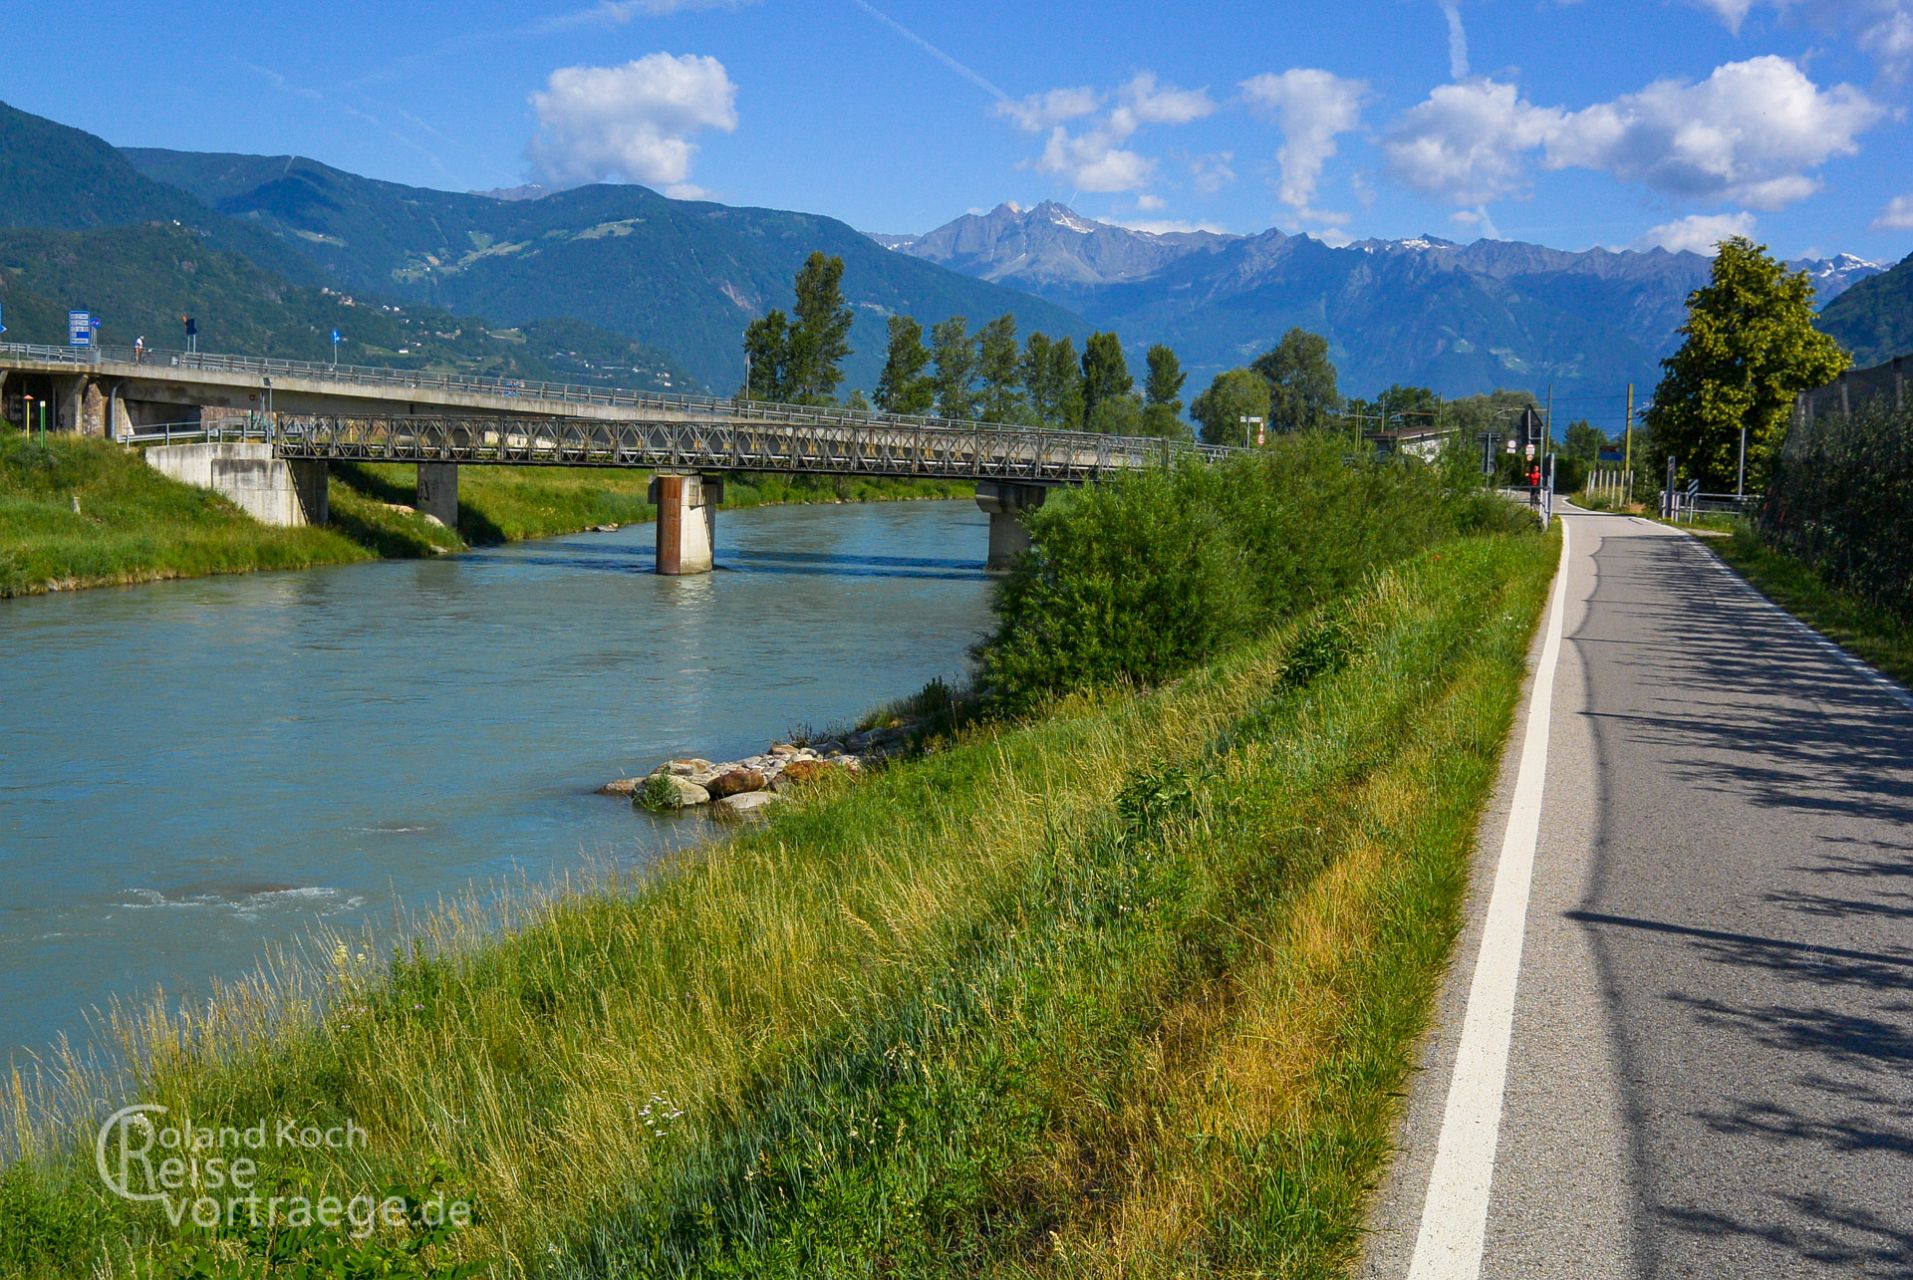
(1709, 1062)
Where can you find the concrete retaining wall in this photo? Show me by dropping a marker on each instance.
(258, 483)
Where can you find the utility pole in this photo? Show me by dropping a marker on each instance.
(1550, 423)
(1627, 448)
(1740, 481)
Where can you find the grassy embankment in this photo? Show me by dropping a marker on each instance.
(1864, 628)
(135, 525)
(1124, 987)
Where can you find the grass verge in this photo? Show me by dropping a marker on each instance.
(85, 513)
(1128, 989)
(1858, 625)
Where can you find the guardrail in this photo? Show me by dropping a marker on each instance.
(712, 409)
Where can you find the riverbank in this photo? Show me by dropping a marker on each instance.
(1126, 987)
(85, 513)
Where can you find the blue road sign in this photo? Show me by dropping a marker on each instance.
(3, 328)
(79, 329)
(335, 337)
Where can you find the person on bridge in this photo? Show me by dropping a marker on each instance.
(139, 349)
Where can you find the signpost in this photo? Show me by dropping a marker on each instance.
(79, 329)
(335, 348)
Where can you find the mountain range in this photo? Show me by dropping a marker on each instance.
(1874, 319)
(621, 284)
(1428, 311)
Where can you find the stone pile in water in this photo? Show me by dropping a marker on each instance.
(737, 787)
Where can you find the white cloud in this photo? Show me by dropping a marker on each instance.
(1042, 111)
(1211, 173)
(632, 123)
(1698, 233)
(1897, 216)
(1098, 159)
(1748, 133)
(1150, 204)
(1165, 104)
(1313, 108)
(1167, 226)
(1751, 132)
(1476, 220)
(1468, 143)
(1881, 28)
(1457, 40)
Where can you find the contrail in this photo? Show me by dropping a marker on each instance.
(1457, 40)
(932, 50)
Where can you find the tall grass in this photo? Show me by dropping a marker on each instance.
(1124, 990)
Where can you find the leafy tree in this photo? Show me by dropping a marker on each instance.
(1117, 416)
(1750, 349)
(997, 368)
(819, 331)
(767, 356)
(1066, 378)
(1233, 396)
(1053, 383)
(904, 387)
(955, 356)
(1301, 378)
(1162, 394)
(1584, 441)
(1105, 373)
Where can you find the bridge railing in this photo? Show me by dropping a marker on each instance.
(712, 409)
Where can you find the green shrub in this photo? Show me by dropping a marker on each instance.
(1140, 577)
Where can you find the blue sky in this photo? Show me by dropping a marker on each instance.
(1610, 122)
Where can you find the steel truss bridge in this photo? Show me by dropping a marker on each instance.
(748, 437)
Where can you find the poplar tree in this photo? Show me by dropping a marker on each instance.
(1162, 394)
(997, 369)
(1105, 373)
(767, 357)
(819, 331)
(955, 355)
(904, 387)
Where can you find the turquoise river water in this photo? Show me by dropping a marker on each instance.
(193, 772)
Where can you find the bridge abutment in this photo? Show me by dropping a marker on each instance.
(687, 521)
(311, 481)
(438, 492)
(1005, 502)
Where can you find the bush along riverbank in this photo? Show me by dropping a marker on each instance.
(1123, 982)
(80, 513)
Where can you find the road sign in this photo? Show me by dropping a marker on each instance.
(79, 329)
(3, 328)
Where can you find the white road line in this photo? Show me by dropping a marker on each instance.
(1869, 674)
(1454, 1218)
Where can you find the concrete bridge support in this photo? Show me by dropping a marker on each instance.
(1005, 502)
(687, 521)
(438, 492)
(311, 480)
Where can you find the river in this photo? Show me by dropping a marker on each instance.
(192, 772)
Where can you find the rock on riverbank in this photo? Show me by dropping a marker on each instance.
(735, 787)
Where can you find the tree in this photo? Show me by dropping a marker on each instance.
(1065, 375)
(903, 386)
(1750, 348)
(1105, 373)
(1233, 396)
(955, 356)
(1117, 416)
(997, 368)
(1583, 441)
(767, 357)
(1162, 394)
(819, 331)
(1302, 392)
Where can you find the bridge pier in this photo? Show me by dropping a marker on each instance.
(1004, 502)
(438, 492)
(687, 521)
